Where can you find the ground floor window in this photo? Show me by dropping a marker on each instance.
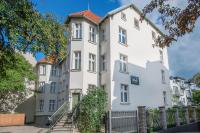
(165, 98)
(52, 105)
(124, 93)
(41, 105)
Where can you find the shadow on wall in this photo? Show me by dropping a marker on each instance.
(27, 107)
(148, 93)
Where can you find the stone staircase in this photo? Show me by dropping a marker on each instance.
(64, 125)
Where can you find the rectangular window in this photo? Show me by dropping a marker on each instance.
(92, 62)
(153, 35)
(42, 87)
(161, 56)
(52, 105)
(53, 88)
(122, 36)
(163, 76)
(54, 70)
(91, 86)
(92, 34)
(77, 60)
(136, 24)
(103, 35)
(123, 63)
(41, 105)
(103, 62)
(42, 69)
(123, 16)
(124, 93)
(77, 28)
(165, 98)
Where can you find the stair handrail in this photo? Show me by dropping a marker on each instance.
(58, 115)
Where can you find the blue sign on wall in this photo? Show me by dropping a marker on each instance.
(135, 80)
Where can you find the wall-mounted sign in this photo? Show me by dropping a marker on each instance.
(135, 80)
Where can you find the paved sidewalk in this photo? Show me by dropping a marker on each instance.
(22, 129)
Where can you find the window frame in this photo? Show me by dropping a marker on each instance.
(161, 56)
(41, 105)
(92, 62)
(42, 87)
(53, 88)
(103, 62)
(136, 24)
(92, 34)
(76, 65)
(123, 63)
(54, 69)
(163, 76)
(123, 92)
(52, 105)
(43, 69)
(122, 36)
(77, 31)
(123, 16)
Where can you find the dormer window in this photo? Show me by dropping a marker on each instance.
(123, 16)
(77, 31)
(136, 24)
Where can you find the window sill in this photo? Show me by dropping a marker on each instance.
(125, 103)
(92, 71)
(123, 44)
(124, 72)
(75, 70)
(76, 39)
(92, 42)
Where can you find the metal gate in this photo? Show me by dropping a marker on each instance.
(122, 122)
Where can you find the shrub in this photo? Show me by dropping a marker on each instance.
(92, 110)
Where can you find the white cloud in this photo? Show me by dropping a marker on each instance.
(183, 54)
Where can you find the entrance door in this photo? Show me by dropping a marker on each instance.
(75, 99)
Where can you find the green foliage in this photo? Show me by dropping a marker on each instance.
(92, 110)
(196, 97)
(153, 120)
(196, 79)
(23, 28)
(182, 115)
(15, 76)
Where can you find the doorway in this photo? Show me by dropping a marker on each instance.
(75, 99)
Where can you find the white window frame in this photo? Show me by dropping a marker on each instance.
(103, 62)
(52, 105)
(124, 91)
(92, 34)
(122, 36)
(92, 62)
(53, 88)
(123, 63)
(77, 31)
(91, 86)
(163, 76)
(42, 86)
(42, 69)
(41, 105)
(136, 23)
(77, 60)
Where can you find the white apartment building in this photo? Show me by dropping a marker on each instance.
(114, 52)
(181, 91)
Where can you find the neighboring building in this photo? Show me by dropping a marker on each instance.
(28, 105)
(181, 91)
(114, 52)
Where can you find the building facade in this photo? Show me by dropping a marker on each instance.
(115, 53)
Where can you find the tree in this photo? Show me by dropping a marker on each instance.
(176, 21)
(92, 111)
(196, 97)
(13, 84)
(196, 79)
(23, 28)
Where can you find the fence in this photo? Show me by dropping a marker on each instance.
(121, 121)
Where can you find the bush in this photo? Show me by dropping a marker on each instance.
(92, 110)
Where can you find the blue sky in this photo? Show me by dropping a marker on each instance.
(183, 54)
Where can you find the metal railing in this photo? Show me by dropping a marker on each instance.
(58, 115)
(75, 115)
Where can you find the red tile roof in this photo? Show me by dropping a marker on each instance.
(88, 15)
(46, 60)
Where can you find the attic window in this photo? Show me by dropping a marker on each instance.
(136, 23)
(123, 16)
(153, 35)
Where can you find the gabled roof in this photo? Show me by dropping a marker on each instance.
(87, 14)
(46, 60)
(137, 10)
